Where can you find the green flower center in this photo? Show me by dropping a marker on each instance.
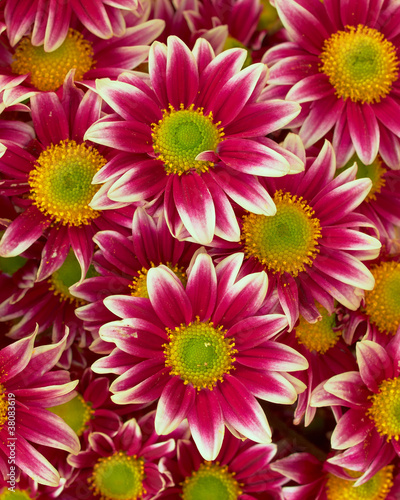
(118, 477)
(3, 406)
(360, 63)
(377, 488)
(375, 172)
(181, 135)
(10, 265)
(139, 282)
(319, 336)
(385, 409)
(199, 354)
(15, 495)
(233, 43)
(211, 482)
(49, 69)
(285, 242)
(382, 304)
(76, 413)
(61, 182)
(67, 275)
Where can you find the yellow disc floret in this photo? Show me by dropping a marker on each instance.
(382, 304)
(118, 477)
(3, 406)
(49, 69)
(199, 354)
(377, 488)
(139, 282)
(211, 482)
(319, 336)
(375, 171)
(287, 241)
(385, 409)
(61, 182)
(183, 134)
(360, 63)
(14, 494)
(76, 413)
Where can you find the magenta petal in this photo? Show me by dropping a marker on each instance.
(195, 206)
(49, 118)
(251, 157)
(348, 387)
(201, 287)
(35, 465)
(83, 246)
(242, 412)
(54, 253)
(23, 232)
(374, 363)
(351, 429)
(311, 88)
(181, 73)
(15, 357)
(94, 17)
(206, 424)
(174, 404)
(387, 111)
(168, 297)
(289, 298)
(364, 131)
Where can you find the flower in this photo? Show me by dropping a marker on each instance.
(325, 481)
(341, 64)
(202, 352)
(90, 56)
(125, 466)
(28, 388)
(313, 247)
(369, 431)
(241, 471)
(51, 21)
(57, 178)
(123, 264)
(191, 136)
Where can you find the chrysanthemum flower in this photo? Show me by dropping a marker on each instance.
(125, 466)
(313, 247)
(342, 65)
(241, 471)
(123, 264)
(50, 21)
(49, 304)
(325, 481)
(28, 388)
(52, 183)
(202, 352)
(91, 410)
(90, 56)
(327, 355)
(382, 204)
(370, 430)
(378, 318)
(192, 137)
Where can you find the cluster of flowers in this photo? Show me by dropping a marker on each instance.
(200, 249)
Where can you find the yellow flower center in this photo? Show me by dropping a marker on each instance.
(375, 171)
(118, 477)
(49, 69)
(76, 413)
(199, 354)
(319, 336)
(3, 406)
(360, 63)
(385, 409)
(181, 135)
(382, 304)
(139, 282)
(15, 495)
(211, 482)
(287, 241)
(61, 182)
(377, 488)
